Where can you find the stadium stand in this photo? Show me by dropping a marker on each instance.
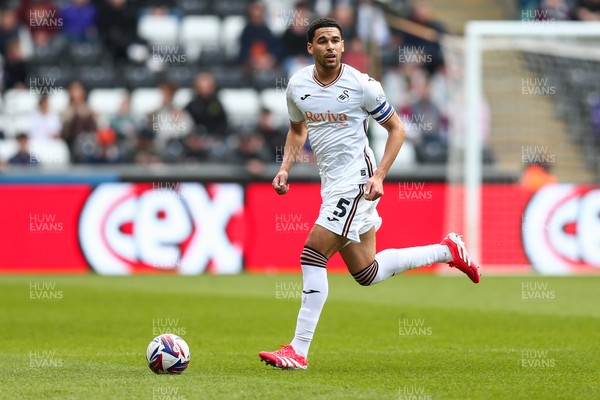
(205, 36)
(159, 29)
(199, 32)
(107, 102)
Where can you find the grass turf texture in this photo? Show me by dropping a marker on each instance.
(475, 341)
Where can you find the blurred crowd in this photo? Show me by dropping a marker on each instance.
(409, 64)
(560, 10)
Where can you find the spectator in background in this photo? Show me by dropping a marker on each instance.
(210, 119)
(160, 7)
(294, 39)
(169, 124)
(594, 103)
(79, 21)
(259, 47)
(11, 30)
(78, 119)
(252, 153)
(23, 157)
(125, 127)
(200, 148)
(554, 10)
(205, 108)
(123, 123)
(117, 25)
(16, 69)
(426, 125)
(44, 124)
(536, 175)
(355, 54)
(345, 15)
(371, 25)
(102, 147)
(42, 19)
(273, 135)
(588, 10)
(424, 41)
(144, 152)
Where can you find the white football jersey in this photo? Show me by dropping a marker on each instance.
(336, 116)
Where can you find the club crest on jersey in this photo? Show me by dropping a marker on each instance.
(344, 97)
(325, 116)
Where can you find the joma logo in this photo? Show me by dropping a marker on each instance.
(326, 116)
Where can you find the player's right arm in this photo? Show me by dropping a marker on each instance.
(294, 143)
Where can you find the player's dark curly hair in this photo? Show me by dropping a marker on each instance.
(322, 23)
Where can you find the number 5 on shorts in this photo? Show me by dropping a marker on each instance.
(341, 205)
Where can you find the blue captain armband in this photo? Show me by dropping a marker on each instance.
(383, 112)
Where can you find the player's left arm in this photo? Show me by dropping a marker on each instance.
(375, 103)
(396, 136)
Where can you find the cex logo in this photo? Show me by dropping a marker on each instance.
(126, 228)
(561, 229)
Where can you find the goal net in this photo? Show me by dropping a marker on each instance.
(524, 113)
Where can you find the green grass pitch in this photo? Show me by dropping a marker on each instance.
(412, 337)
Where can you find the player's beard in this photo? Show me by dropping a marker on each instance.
(326, 65)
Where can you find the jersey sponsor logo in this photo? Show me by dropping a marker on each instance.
(325, 116)
(305, 96)
(344, 97)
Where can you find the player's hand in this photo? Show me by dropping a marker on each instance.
(374, 188)
(280, 183)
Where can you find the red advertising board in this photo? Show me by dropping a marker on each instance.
(561, 229)
(39, 226)
(279, 225)
(190, 228)
(184, 228)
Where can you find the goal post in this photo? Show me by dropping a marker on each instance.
(481, 58)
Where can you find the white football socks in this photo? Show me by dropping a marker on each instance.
(389, 263)
(395, 261)
(314, 294)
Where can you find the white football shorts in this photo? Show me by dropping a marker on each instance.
(346, 212)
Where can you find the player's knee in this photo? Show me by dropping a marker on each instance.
(313, 258)
(366, 276)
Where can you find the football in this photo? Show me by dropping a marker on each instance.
(168, 354)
